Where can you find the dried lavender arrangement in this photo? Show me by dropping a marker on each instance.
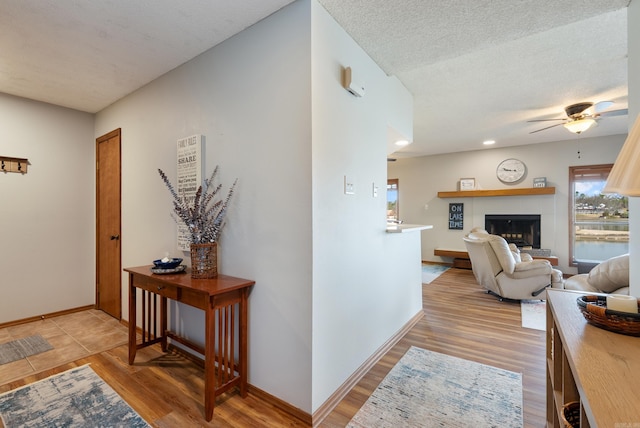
(203, 215)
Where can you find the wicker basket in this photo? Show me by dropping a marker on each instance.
(571, 414)
(594, 309)
(204, 260)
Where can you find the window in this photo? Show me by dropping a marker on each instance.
(392, 200)
(598, 224)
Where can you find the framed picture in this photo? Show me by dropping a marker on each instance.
(540, 182)
(467, 183)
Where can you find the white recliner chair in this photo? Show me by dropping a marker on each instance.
(503, 271)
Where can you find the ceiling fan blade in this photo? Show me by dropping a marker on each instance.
(620, 112)
(602, 105)
(542, 129)
(543, 120)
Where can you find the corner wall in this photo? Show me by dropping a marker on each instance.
(289, 132)
(250, 97)
(47, 234)
(367, 284)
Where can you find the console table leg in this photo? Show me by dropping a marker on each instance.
(132, 321)
(209, 364)
(163, 323)
(243, 342)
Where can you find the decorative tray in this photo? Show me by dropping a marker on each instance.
(161, 271)
(167, 263)
(594, 309)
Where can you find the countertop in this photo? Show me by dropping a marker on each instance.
(403, 228)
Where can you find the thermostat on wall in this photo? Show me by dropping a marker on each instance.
(352, 83)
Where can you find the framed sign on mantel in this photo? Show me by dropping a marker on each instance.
(467, 184)
(189, 175)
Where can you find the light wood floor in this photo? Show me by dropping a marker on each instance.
(463, 321)
(460, 320)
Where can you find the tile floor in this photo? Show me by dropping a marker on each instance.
(72, 336)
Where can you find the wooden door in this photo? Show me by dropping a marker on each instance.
(108, 242)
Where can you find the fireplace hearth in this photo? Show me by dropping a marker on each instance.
(523, 230)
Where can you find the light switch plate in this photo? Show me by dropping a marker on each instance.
(349, 185)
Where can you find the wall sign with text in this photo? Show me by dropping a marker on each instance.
(189, 178)
(456, 216)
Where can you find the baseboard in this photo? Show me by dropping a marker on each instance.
(44, 316)
(282, 405)
(335, 398)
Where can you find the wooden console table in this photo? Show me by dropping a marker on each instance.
(220, 298)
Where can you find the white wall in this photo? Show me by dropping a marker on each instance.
(633, 29)
(420, 179)
(47, 234)
(366, 283)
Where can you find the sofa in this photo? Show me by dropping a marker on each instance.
(503, 271)
(610, 276)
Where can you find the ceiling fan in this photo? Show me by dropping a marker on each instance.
(582, 116)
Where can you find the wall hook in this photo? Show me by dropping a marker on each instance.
(11, 164)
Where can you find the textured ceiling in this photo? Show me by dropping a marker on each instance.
(477, 69)
(87, 54)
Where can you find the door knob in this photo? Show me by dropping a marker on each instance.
(115, 237)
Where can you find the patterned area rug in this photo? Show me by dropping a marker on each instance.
(23, 348)
(75, 398)
(429, 389)
(431, 272)
(534, 314)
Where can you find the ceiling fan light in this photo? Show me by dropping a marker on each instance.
(580, 125)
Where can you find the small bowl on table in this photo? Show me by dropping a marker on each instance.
(171, 264)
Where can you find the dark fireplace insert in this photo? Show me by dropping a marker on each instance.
(523, 230)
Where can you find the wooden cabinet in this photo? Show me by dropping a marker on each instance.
(594, 367)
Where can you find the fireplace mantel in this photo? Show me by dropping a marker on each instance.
(528, 191)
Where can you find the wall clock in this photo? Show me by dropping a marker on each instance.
(511, 171)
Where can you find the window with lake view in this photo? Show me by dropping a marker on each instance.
(599, 223)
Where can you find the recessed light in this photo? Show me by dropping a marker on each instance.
(488, 142)
(402, 143)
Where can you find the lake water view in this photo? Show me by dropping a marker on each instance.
(599, 250)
